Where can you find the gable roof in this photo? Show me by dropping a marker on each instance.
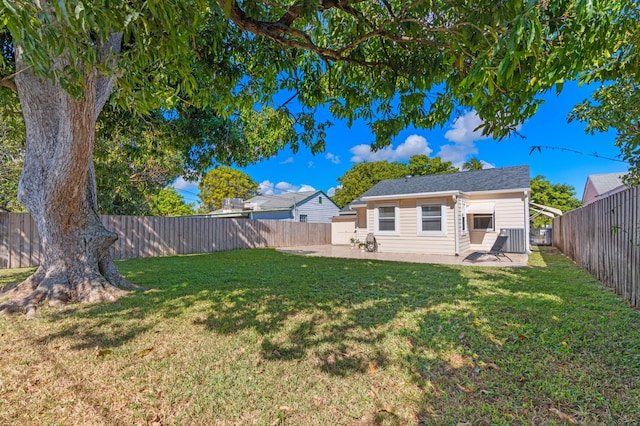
(498, 179)
(606, 182)
(284, 201)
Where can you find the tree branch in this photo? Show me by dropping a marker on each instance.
(282, 33)
(107, 53)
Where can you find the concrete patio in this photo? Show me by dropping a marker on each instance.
(346, 252)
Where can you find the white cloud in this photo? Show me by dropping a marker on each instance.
(335, 159)
(310, 164)
(287, 161)
(463, 131)
(463, 135)
(486, 165)
(268, 188)
(457, 153)
(286, 187)
(265, 187)
(180, 184)
(332, 191)
(413, 145)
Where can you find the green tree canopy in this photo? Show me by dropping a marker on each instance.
(11, 153)
(224, 182)
(392, 63)
(558, 195)
(472, 164)
(168, 202)
(615, 104)
(422, 165)
(362, 176)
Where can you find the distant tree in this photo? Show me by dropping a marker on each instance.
(472, 164)
(362, 176)
(135, 158)
(168, 202)
(422, 165)
(224, 182)
(393, 63)
(559, 195)
(12, 139)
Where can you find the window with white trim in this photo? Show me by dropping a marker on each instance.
(387, 219)
(483, 222)
(464, 219)
(431, 219)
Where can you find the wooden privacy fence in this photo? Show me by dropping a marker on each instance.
(604, 238)
(144, 236)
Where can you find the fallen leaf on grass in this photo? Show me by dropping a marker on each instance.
(144, 352)
(465, 424)
(565, 344)
(522, 337)
(103, 352)
(284, 408)
(487, 365)
(476, 322)
(564, 417)
(387, 410)
(372, 368)
(495, 341)
(463, 389)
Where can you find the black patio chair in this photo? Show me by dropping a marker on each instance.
(371, 243)
(497, 250)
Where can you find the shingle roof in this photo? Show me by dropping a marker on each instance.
(606, 182)
(284, 201)
(504, 178)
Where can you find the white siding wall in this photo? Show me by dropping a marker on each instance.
(317, 212)
(408, 240)
(509, 213)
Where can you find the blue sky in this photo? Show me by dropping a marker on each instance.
(454, 142)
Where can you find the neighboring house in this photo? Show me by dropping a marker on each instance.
(602, 185)
(448, 213)
(308, 206)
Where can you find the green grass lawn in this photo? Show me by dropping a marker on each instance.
(261, 337)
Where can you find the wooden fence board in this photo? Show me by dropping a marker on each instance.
(21, 246)
(604, 238)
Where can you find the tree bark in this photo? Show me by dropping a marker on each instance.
(57, 187)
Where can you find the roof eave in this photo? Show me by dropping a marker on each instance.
(412, 195)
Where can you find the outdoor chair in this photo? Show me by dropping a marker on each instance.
(371, 243)
(496, 250)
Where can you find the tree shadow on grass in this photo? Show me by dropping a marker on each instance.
(523, 344)
(338, 311)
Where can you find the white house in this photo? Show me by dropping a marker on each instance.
(307, 206)
(447, 213)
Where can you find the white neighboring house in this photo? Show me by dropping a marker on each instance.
(307, 206)
(602, 185)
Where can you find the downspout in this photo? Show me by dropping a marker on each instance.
(527, 224)
(456, 230)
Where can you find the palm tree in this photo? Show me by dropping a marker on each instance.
(472, 164)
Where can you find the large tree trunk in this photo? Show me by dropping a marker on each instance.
(57, 187)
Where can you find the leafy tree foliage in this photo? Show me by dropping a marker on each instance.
(362, 176)
(392, 63)
(168, 202)
(421, 165)
(558, 195)
(616, 102)
(11, 153)
(472, 164)
(224, 182)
